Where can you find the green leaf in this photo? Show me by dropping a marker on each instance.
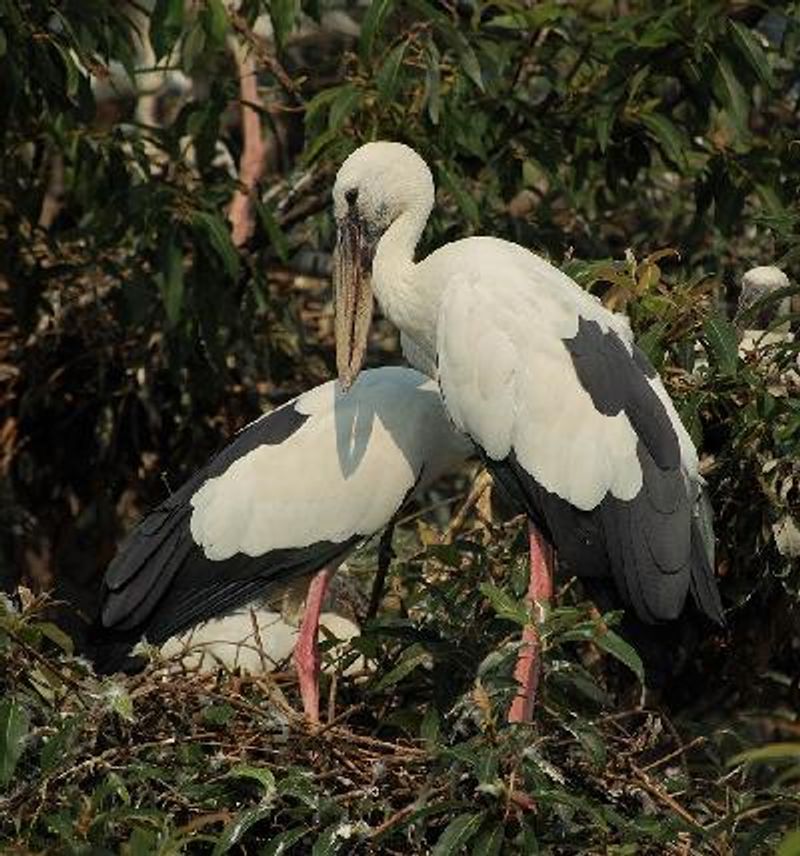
(215, 22)
(668, 137)
(329, 842)
(386, 78)
(732, 96)
(166, 23)
(770, 752)
(618, 648)
(170, 280)
(262, 775)
(504, 605)
(283, 14)
(234, 831)
(193, 47)
(300, 785)
(58, 748)
(214, 228)
(370, 26)
(429, 727)
(282, 843)
(342, 106)
(458, 833)
(490, 841)
(465, 202)
(271, 226)
(789, 845)
(413, 657)
(722, 341)
(750, 49)
(57, 635)
(71, 70)
(433, 82)
(469, 62)
(14, 724)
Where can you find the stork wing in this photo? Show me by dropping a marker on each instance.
(576, 423)
(292, 492)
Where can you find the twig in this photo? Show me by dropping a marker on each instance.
(479, 487)
(341, 718)
(681, 750)
(661, 795)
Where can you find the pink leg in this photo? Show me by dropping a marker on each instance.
(306, 649)
(540, 591)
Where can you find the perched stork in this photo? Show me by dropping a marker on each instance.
(290, 496)
(569, 414)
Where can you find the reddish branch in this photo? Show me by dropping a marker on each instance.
(251, 166)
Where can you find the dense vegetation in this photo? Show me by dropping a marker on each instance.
(650, 149)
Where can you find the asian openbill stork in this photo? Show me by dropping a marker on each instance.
(568, 413)
(291, 495)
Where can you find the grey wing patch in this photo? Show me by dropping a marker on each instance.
(643, 361)
(644, 544)
(616, 381)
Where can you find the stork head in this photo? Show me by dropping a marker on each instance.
(375, 187)
(758, 283)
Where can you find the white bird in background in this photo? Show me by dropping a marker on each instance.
(762, 340)
(290, 496)
(759, 283)
(253, 639)
(568, 413)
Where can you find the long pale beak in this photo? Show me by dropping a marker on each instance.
(352, 273)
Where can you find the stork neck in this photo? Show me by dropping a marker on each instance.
(393, 272)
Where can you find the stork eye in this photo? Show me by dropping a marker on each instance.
(351, 196)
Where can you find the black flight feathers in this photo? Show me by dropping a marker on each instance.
(650, 546)
(161, 583)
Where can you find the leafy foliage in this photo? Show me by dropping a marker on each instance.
(421, 763)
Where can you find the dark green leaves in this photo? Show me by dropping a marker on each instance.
(459, 832)
(371, 26)
(166, 23)
(213, 229)
(722, 342)
(750, 49)
(504, 605)
(283, 14)
(14, 724)
(170, 280)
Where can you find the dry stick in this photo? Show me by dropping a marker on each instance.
(332, 698)
(251, 165)
(482, 482)
(661, 795)
(341, 718)
(681, 750)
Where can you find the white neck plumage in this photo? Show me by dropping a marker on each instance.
(401, 296)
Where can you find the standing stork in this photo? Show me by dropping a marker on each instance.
(290, 496)
(568, 413)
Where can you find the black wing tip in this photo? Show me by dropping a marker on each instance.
(703, 582)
